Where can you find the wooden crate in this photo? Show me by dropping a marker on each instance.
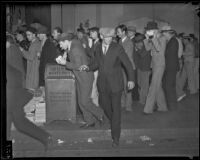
(60, 96)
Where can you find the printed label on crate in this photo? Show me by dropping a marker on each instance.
(60, 96)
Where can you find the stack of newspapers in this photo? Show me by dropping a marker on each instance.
(40, 113)
(35, 110)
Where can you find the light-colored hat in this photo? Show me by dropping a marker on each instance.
(107, 32)
(166, 28)
(131, 28)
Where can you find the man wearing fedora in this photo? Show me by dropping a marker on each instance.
(126, 43)
(156, 43)
(132, 34)
(142, 61)
(84, 80)
(172, 66)
(108, 59)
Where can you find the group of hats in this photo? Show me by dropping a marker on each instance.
(34, 28)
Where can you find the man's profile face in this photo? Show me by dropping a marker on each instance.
(30, 35)
(55, 34)
(119, 32)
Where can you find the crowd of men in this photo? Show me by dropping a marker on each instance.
(112, 66)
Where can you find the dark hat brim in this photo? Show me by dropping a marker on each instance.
(68, 37)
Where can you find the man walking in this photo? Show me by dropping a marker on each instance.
(108, 58)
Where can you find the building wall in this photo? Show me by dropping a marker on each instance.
(180, 16)
(40, 13)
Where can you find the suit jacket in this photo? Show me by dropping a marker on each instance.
(133, 42)
(77, 57)
(48, 55)
(171, 55)
(128, 47)
(110, 68)
(93, 49)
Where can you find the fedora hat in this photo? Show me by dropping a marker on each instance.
(107, 32)
(166, 28)
(185, 36)
(151, 25)
(139, 38)
(131, 28)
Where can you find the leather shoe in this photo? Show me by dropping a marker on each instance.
(145, 113)
(115, 144)
(87, 125)
(49, 143)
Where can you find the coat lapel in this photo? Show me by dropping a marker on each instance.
(109, 49)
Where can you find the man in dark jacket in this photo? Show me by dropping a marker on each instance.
(143, 64)
(84, 80)
(172, 66)
(48, 54)
(108, 59)
(94, 34)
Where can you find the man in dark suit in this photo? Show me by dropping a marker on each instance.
(108, 59)
(94, 34)
(16, 98)
(172, 66)
(48, 53)
(84, 80)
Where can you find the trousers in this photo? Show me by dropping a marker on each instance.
(143, 83)
(180, 82)
(189, 68)
(95, 96)
(111, 104)
(156, 93)
(84, 84)
(169, 81)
